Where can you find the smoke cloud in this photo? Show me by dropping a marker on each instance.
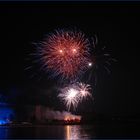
(43, 113)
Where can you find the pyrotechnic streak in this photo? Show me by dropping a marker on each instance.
(74, 93)
(100, 59)
(70, 96)
(68, 54)
(84, 90)
(65, 53)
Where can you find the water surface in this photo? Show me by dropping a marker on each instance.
(71, 131)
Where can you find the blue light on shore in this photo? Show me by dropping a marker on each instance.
(2, 122)
(6, 114)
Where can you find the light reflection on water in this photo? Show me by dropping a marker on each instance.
(75, 132)
(67, 132)
(71, 132)
(3, 133)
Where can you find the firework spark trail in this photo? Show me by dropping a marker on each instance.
(70, 96)
(84, 90)
(74, 93)
(100, 60)
(66, 53)
(69, 54)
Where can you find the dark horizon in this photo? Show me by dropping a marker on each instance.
(117, 27)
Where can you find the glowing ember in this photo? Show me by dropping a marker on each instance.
(72, 119)
(90, 64)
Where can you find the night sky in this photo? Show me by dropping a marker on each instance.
(117, 26)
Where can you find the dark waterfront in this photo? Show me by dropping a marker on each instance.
(129, 130)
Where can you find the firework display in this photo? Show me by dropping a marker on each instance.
(84, 90)
(65, 53)
(100, 61)
(74, 93)
(69, 54)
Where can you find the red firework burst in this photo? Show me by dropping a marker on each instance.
(65, 53)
